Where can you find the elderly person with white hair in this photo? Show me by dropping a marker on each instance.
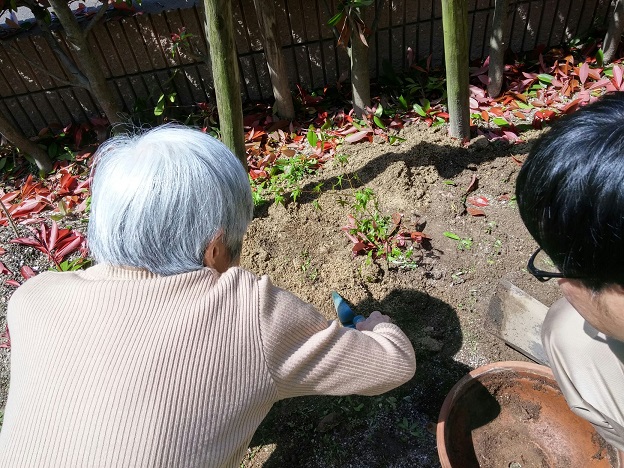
(166, 353)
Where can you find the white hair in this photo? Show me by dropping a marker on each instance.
(160, 197)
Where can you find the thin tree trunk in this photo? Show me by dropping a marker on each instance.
(497, 48)
(78, 41)
(360, 78)
(220, 34)
(614, 33)
(265, 10)
(25, 145)
(455, 26)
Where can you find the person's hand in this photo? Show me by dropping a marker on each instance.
(373, 319)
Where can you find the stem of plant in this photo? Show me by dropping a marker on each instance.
(10, 218)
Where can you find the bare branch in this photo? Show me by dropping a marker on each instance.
(10, 48)
(97, 17)
(40, 14)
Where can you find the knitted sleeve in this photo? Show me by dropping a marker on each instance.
(308, 355)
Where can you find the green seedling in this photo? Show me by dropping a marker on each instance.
(411, 428)
(284, 180)
(463, 243)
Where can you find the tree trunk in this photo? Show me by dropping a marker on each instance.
(265, 10)
(497, 48)
(614, 33)
(25, 145)
(87, 62)
(360, 79)
(455, 26)
(220, 34)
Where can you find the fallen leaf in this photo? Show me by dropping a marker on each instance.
(27, 272)
(474, 184)
(478, 201)
(357, 136)
(4, 270)
(517, 161)
(475, 211)
(13, 283)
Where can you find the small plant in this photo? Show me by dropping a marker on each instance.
(284, 177)
(411, 428)
(463, 243)
(377, 235)
(54, 243)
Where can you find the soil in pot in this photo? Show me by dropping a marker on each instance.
(516, 420)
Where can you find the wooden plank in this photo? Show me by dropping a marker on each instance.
(11, 75)
(517, 318)
(19, 116)
(152, 43)
(45, 55)
(29, 73)
(124, 50)
(60, 109)
(161, 30)
(32, 112)
(106, 51)
(48, 112)
(139, 49)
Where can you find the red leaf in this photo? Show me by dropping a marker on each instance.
(571, 106)
(2, 251)
(29, 241)
(516, 160)
(617, 75)
(54, 232)
(584, 72)
(4, 270)
(359, 248)
(6, 337)
(418, 236)
(357, 136)
(474, 184)
(72, 246)
(27, 208)
(478, 201)
(27, 272)
(13, 283)
(475, 211)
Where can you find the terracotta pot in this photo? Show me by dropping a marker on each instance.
(512, 414)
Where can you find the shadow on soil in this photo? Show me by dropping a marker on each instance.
(449, 161)
(393, 429)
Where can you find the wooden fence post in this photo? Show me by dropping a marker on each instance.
(265, 10)
(455, 26)
(220, 34)
(497, 48)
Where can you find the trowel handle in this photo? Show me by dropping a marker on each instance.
(345, 314)
(357, 319)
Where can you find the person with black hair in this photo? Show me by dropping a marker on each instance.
(570, 194)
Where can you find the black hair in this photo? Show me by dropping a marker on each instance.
(570, 193)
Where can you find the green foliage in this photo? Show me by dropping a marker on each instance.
(79, 263)
(463, 243)
(284, 180)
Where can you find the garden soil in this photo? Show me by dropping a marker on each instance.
(439, 297)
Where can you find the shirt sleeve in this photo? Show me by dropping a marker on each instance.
(308, 355)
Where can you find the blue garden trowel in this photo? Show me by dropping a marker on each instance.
(347, 317)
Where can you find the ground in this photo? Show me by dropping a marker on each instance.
(439, 297)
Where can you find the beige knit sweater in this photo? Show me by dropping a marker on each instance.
(114, 367)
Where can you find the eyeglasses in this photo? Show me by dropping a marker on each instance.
(542, 275)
